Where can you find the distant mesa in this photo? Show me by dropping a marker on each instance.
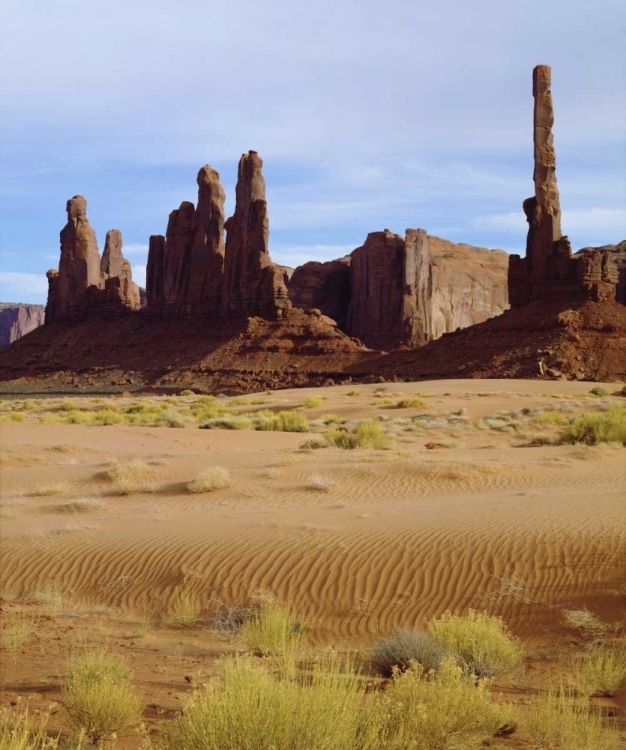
(17, 319)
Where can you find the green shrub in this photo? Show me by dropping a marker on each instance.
(367, 433)
(313, 402)
(439, 711)
(273, 631)
(97, 695)
(591, 429)
(249, 709)
(405, 647)
(481, 641)
(284, 421)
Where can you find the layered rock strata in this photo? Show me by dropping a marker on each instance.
(253, 285)
(16, 320)
(549, 270)
(324, 287)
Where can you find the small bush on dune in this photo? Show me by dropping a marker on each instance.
(332, 419)
(591, 429)
(273, 631)
(411, 402)
(214, 478)
(132, 478)
(563, 722)
(313, 402)
(599, 390)
(98, 697)
(437, 711)
(481, 641)
(228, 423)
(367, 433)
(601, 670)
(405, 647)
(284, 421)
(586, 623)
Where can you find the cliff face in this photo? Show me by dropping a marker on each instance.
(16, 320)
(617, 253)
(396, 291)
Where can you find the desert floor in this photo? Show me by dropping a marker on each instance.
(358, 542)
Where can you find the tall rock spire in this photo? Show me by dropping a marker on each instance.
(253, 285)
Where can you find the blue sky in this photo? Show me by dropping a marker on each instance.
(368, 115)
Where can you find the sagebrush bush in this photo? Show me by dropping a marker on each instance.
(130, 478)
(368, 433)
(564, 722)
(251, 709)
(481, 641)
(213, 478)
(405, 647)
(273, 631)
(438, 711)
(591, 429)
(284, 421)
(98, 697)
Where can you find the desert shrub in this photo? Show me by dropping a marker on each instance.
(211, 411)
(239, 401)
(481, 641)
(592, 429)
(80, 417)
(368, 433)
(313, 402)
(438, 711)
(20, 732)
(321, 483)
(598, 390)
(98, 697)
(564, 722)
(228, 423)
(108, 416)
(284, 421)
(405, 647)
(13, 416)
(131, 478)
(186, 608)
(17, 631)
(585, 622)
(549, 417)
(313, 444)
(332, 419)
(213, 478)
(273, 631)
(168, 419)
(601, 670)
(410, 402)
(53, 488)
(250, 708)
(187, 392)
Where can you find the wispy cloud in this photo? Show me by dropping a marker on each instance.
(23, 286)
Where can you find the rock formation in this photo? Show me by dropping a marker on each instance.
(79, 266)
(86, 284)
(404, 292)
(253, 285)
(617, 253)
(323, 286)
(549, 270)
(17, 319)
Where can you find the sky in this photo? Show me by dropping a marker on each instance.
(368, 115)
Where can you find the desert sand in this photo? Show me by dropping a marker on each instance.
(358, 542)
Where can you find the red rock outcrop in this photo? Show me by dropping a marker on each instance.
(17, 319)
(323, 286)
(617, 253)
(253, 285)
(79, 266)
(155, 269)
(116, 274)
(549, 270)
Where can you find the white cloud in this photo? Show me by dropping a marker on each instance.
(18, 287)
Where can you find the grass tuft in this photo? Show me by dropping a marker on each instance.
(601, 670)
(209, 480)
(368, 433)
(398, 651)
(273, 631)
(592, 429)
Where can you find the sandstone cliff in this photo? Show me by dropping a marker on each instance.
(324, 287)
(17, 319)
(617, 253)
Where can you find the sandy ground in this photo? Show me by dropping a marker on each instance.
(393, 538)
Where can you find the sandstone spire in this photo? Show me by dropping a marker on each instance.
(253, 285)
(115, 266)
(79, 265)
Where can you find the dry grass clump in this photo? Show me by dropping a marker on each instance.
(81, 505)
(251, 708)
(273, 631)
(132, 478)
(52, 488)
(313, 402)
(398, 651)
(562, 721)
(586, 623)
(368, 433)
(211, 479)
(51, 598)
(411, 402)
(17, 631)
(549, 417)
(592, 429)
(313, 444)
(284, 421)
(98, 696)
(19, 732)
(481, 641)
(186, 608)
(441, 710)
(332, 418)
(601, 670)
(321, 483)
(228, 423)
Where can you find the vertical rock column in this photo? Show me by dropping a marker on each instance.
(253, 285)
(116, 274)
(79, 266)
